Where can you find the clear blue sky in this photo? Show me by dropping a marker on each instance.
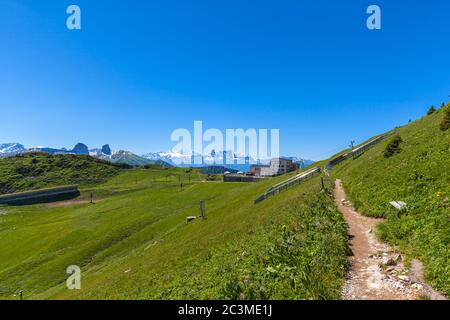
(140, 69)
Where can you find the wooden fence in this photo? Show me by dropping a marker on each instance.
(354, 153)
(287, 184)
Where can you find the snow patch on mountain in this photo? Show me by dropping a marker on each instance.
(9, 149)
(232, 160)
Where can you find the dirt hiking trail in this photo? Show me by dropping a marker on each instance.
(376, 272)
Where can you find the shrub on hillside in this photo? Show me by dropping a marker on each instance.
(445, 123)
(393, 146)
(214, 177)
(431, 110)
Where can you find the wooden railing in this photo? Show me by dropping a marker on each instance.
(355, 152)
(287, 184)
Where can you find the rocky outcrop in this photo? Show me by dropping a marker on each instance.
(106, 150)
(80, 148)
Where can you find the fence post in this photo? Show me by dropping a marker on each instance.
(352, 144)
(202, 209)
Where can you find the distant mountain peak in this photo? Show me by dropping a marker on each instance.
(106, 150)
(11, 148)
(80, 148)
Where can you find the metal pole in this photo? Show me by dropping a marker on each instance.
(21, 294)
(352, 144)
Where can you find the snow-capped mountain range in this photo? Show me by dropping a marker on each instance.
(233, 161)
(188, 158)
(166, 158)
(11, 149)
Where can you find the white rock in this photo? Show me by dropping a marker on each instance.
(190, 218)
(399, 205)
(404, 278)
(417, 286)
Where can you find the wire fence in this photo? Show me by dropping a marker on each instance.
(41, 182)
(32, 183)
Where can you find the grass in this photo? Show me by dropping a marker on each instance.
(41, 170)
(417, 174)
(134, 243)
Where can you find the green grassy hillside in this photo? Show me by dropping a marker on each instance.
(134, 242)
(418, 173)
(40, 170)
